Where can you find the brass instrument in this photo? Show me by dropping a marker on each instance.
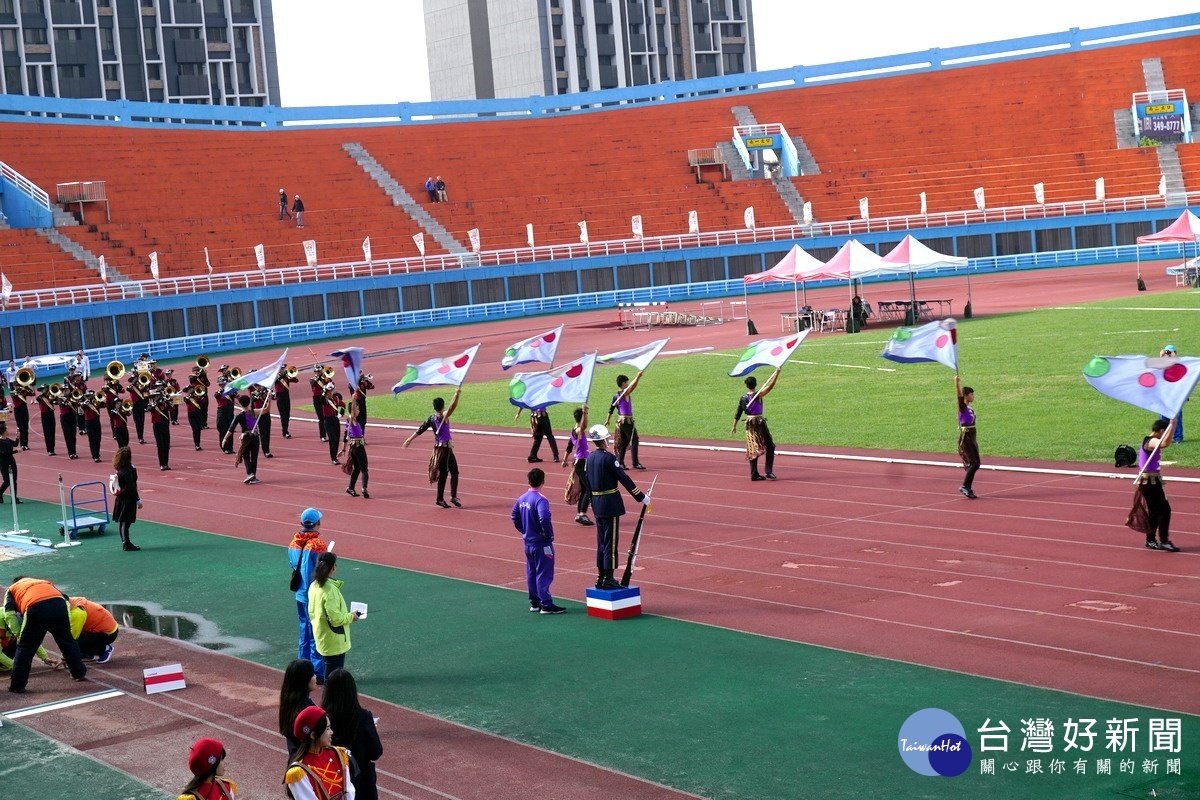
(115, 370)
(78, 395)
(234, 373)
(25, 377)
(55, 390)
(202, 362)
(291, 373)
(143, 380)
(124, 408)
(327, 372)
(198, 390)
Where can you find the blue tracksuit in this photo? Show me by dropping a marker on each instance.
(531, 516)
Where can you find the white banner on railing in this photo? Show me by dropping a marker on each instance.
(1162, 186)
(636, 223)
(529, 234)
(473, 235)
(310, 252)
(207, 262)
(693, 222)
(924, 205)
(419, 240)
(367, 250)
(748, 217)
(808, 217)
(979, 200)
(103, 270)
(154, 264)
(864, 208)
(583, 237)
(1099, 188)
(5, 287)
(260, 255)
(1039, 193)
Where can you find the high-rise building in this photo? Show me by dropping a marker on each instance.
(176, 51)
(515, 48)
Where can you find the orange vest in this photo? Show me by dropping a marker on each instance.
(99, 620)
(29, 591)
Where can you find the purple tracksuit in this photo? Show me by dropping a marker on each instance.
(531, 516)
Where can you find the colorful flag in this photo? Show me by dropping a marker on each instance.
(310, 251)
(367, 249)
(570, 383)
(103, 270)
(636, 357)
(583, 237)
(538, 348)
(5, 287)
(748, 217)
(936, 341)
(693, 222)
(351, 362)
(1161, 385)
(260, 255)
(473, 235)
(449, 371)
(636, 223)
(154, 264)
(207, 262)
(419, 240)
(262, 377)
(767, 353)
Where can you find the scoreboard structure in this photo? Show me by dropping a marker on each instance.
(1162, 117)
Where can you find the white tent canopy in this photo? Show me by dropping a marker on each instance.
(915, 256)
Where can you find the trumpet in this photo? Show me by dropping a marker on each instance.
(202, 363)
(25, 377)
(115, 370)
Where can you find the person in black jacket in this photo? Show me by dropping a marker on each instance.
(298, 210)
(128, 500)
(605, 476)
(8, 464)
(354, 729)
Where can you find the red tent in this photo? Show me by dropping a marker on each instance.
(1184, 230)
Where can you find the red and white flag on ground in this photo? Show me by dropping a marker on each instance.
(163, 679)
(154, 264)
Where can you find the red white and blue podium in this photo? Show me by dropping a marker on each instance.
(614, 603)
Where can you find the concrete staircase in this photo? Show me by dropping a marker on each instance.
(783, 186)
(1168, 165)
(733, 160)
(80, 253)
(400, 197)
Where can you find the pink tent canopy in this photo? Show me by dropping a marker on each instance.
(1184, 229)
(855, 260)
(788, 268)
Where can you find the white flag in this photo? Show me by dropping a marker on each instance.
(693, 222)
(808, 213)
(529, 233)
(154, 264)
(5, 287)
(637, 226)
(636, 357)
(367, 249)
(1039, 193)
(419, 239)
(473, 235)
(1099, 188)
(310, 251)
(583, 237)
(103, 270)
(924, 205)
(207, 262)
(1162, 186)
(748, 217)
(979, 203)
(864, 208)
(260, 255)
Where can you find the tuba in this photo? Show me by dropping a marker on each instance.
(115, 370)
(25, 377)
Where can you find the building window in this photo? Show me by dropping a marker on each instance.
(71, 72)
(106, 40)
(8, 40)
(6, 8)
(35, 36)
(12, 80)
(733, 62)
(214, 7)
(239, 39)
(149, 40)
(33, 7)
(243, 7)
(112, 73)
(68, 35)
(154, 72)
(187, 33)
(217, 35)
(191, 69)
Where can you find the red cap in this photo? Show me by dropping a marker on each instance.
(205, 756)
(306, 721)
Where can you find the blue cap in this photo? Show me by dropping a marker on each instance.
(310, 517)
(1170, 348)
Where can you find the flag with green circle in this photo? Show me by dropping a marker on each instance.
(935, 341)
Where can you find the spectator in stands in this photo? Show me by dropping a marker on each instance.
(441, 190)
(298, 207)
(431, 188)
(283, 205)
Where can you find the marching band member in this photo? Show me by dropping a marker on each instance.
(200, 375)
(206, 761)
(622, 404)
(260, 404)
(120, 422)
(67, 411)
(3, 391)
(46, 408)
(442, 463)
(248, 448)
(331, 407)
(355, 448)
(225, 410)
(359, 397)
(160, 424)
(758, 436)
(283, 398)
(317, 384)
(172, 388)
(195, 399)
(77, 382)
(20, 403)
(91, 422)
(140, 402)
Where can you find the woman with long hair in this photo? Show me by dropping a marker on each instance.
(317, 770)
(207, 764)
(128, 500)
(354, 447)
(299, 682)
(354, 729)
(330, 618)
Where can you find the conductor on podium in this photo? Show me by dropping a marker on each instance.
(605, 476)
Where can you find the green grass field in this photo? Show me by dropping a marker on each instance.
(1026, 369)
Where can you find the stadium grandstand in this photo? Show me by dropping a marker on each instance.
(1014, 154)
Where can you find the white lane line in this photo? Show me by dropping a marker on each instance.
(61, 704)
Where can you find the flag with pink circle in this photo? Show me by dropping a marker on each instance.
(1161, 385)
(449, 371)
(570, 383)
(767, 353)
(540, 348)
(936, 341)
